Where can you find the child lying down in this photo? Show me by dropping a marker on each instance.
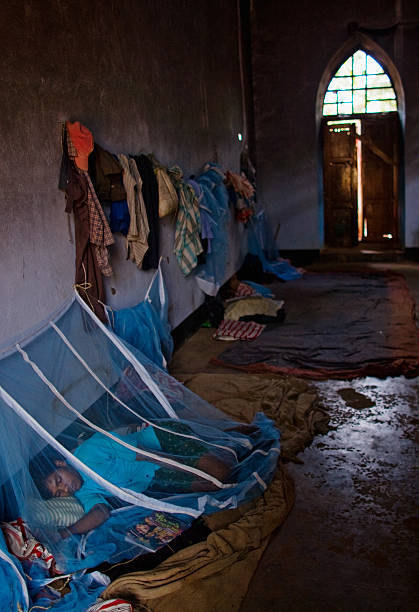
(125, 468)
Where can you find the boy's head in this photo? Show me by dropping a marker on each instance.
(62, 481)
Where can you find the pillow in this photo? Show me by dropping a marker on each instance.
(56, 512)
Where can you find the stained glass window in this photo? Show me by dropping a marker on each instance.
(359, 86)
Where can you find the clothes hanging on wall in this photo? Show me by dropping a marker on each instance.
(240, 184)
(242, 194)
(92, 232)
(207, 222)
(211, 275)
(80, 141)
(168, 198)
(150, 193)
(119, 218)
(106, 174)
(100, 233)
(88, 277)
(187, 245)
(137, 237)
(79, 146)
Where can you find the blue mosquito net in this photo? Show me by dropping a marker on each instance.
(146, 325)
(104, 455)
(262, 243)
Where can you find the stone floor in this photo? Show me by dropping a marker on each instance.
(350, 542)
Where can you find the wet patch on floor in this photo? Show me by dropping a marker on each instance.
(355, 399)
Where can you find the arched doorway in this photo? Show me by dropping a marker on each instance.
(360, 107)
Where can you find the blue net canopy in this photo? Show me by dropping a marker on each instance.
(262, 244)
(105, 455)
(146, 325)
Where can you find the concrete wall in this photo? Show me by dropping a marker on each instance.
(143, 76)
(292, 45)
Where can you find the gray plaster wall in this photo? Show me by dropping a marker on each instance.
(292, 45)
(143, 76)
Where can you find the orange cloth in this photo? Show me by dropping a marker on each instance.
(82, 140)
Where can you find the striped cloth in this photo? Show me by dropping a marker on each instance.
(137, 237)
(55, 512)
(244, 290)
(187, 245)
(238, 330)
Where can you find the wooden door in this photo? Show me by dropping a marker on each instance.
(380, 134)
(340, 185)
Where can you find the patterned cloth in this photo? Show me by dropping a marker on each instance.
(187, 450)
(137, 237)
(100, 233)
(242, 194)
(207, 222)
(72, 151)
(240, 184)
(244, 290)
(187, 245)
(238, 330)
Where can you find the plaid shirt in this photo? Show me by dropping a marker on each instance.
(100, 233)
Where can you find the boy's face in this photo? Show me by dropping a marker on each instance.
(63, 482)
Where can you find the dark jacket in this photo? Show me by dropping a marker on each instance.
(106, 175)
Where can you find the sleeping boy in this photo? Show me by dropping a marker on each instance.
(127, 469)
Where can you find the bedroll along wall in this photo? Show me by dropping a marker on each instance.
(159, 77)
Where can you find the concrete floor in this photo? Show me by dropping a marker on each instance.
(350, 542)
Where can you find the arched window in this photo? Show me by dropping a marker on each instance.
(359, 86)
